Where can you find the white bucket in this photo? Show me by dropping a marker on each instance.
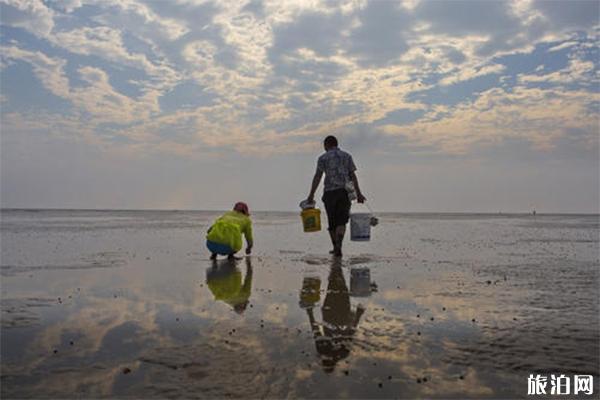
(360, 227)
(360, 282)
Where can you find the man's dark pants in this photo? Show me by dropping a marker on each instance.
(337, 206)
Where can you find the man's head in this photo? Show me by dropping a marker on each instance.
(330, 142)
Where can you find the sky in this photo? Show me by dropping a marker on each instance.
(446, 106)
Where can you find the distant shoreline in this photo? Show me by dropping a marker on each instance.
(448, 213)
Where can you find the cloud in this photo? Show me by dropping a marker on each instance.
(320, 33)
(540, 116)
(140, 18)
(465, 74)
(104, 103)
(572, 14)
(577, 72)
(107, 43)
(200, 54)
(380, 35)
(496, 27)
(463, 17)
(31, 15)
(564, 45)
(94, 103)
(264, 78)
(49, 70)
(44, 136)
(67, 5)
(307, 72)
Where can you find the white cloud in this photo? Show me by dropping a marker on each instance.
(578, 71)
(27, 130)
(464, 74)
(572, 14)
(262, 101)
(32, 15)
(67, 5)
(249, 36)
(138, 17)
(536, 115)
(279, 12)
(49, 70)
(107, 43)
(564, 45)
(104, 103)
(98, 97)
(200, 54)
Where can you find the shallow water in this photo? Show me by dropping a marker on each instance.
(127, 304)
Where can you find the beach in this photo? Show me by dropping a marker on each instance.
(127, 304)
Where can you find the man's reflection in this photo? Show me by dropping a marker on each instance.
(224, 279)
(334, 335)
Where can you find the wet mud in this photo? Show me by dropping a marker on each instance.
(122, 304)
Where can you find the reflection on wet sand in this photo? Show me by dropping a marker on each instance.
(333, 337)
(449, 318)
(224, 279)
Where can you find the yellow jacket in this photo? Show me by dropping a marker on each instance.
(228, 230)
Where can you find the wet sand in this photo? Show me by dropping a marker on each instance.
(127, 304)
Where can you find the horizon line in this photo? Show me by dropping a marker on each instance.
(294, 211)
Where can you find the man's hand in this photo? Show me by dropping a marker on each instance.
(360, 198)
(310, 199)
(248, 250)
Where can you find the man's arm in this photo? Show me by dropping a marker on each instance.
(249, 244)
(315, 184)
(359, 196)
(249, 238)
(247, 286)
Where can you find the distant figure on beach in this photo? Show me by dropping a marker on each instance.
(225, 235)
(224, 279)
(333, 337)
(338, 167)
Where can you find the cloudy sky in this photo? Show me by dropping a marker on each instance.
(193, 104)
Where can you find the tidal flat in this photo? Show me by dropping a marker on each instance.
(127, 304)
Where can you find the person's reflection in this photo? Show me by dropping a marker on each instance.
(224, 279)
(333, 337)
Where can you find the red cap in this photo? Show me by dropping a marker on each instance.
(241, 207)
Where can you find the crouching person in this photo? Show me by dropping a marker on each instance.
(225, 235)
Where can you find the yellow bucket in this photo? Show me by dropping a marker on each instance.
(311, 219)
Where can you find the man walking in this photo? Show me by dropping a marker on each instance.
(338, 167)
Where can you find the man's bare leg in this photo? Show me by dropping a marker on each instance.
(332, 236)
(340, 231)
